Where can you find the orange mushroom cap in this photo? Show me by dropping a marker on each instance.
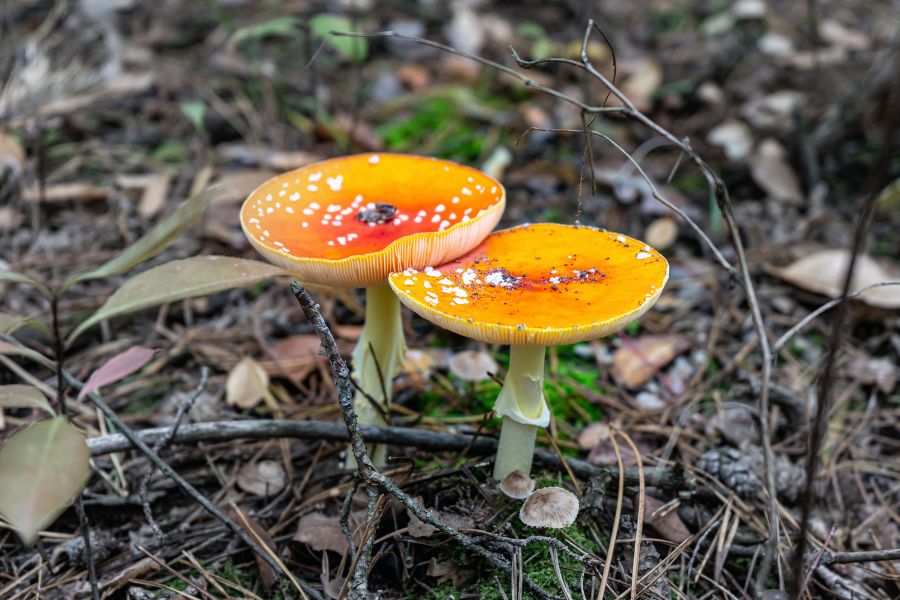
(351, 221)
(541, 284)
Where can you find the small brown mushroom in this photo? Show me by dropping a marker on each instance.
(517, 485)
(551, 507)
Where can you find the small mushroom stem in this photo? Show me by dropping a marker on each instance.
(376, 359)
(521, 403)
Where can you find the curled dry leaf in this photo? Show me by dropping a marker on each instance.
(43, 468)
(823, 272)
(665, 521)
(662, 233)
(295, 357)
(592, 435)
(771, 171)
(637, 360)
(472, 365)
(734, 137)
(247, 384)
(264, 478)
(321, 532)
(865, 369)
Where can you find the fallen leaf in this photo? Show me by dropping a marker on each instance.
(153, 200)
(667, 524)
(246, 384)
(43, 468)
(592, 435)
(237, 185)
(264, 478)
(321, 532)
(865, 369)
(604, 455)
(643, 78)
(637, 360)
(9, 323)
(64, 192)
(118, 367)
(12, 155)
(734, 137)
(472, 365)
(770, 170)
(418, 528)
(837, 33)
(662, 233)
(823, 272)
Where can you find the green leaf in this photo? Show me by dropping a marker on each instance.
(14, 350)
(12, 276)
(24, 396)
(194, 110)
(177, 280)
(156, 240)
(10, 322)
(351, 48)
(278, 27)
(43, 469)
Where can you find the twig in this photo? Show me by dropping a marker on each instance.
(367, 470)
(478, 444)
(183, 408)
(835, 558)
(825, 385)
(790, 333)
(182, 483)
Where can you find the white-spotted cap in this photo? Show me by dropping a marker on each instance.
(551, 507)
(517, 485)
(351, 221)
(542, 284)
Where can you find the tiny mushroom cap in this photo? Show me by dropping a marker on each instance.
(351, 221)
(471, 365)
(517, 485)
(551, 507)
(540, 284)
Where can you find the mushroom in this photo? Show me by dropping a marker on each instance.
(551, 507)
(517, 485)
(351, 221)
(534, 286)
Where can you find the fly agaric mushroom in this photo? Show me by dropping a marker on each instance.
(351, 221)
(535, 286)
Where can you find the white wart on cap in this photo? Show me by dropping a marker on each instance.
(551, 507)
(517, 485)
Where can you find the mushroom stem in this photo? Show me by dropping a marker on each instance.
(376, 359)
(522, 405)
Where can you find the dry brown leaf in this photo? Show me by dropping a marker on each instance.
(264, 478)
(239, 184)
(662, 233)
(637, 360)
(472, 365)
(153, 200)
(247, 384)
(604, 455)
(592, 435)
(667, 523)
(418, 528)
(64, 192)
(644, 76)
(879, 371)
(321, 532)
(770, 170)
(734, 137)
(12, 155)
(823, 272)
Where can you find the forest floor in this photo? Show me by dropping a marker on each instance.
(112, 114)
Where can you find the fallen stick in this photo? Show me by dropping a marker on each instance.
(219, 431)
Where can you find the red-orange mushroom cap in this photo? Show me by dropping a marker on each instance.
(351, 221)
(542, 284)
